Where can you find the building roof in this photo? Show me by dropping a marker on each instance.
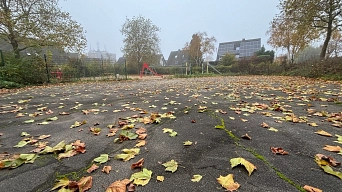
(177, 58)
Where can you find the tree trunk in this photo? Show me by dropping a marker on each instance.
(326, 41)
(15, 47)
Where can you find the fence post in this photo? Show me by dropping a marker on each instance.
(2, 59)
(47, 69)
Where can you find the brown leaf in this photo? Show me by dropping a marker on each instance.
(106, 169)
(311, 189)
(92, 168)
(79, 147)
(43, 137)
(140, 130)
(193, 121)
(49, 112)
(138, 164)
(324, 133)
(85, 183)
(118, 186)
(1, 134)
(142, 136)
(333, 148)
(246, 136)
(279, 150)
(264, 125)
(328, 159)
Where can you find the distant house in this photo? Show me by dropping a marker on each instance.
(97, 54)
(241, 49)
(177, 58)
(160, 61)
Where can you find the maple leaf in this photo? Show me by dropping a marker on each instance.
(127, 135)
(228, 183)
(61, 183)
(324, 133)
(241, 161)
(324, 162)
(140, 143)
(92, 168)
(102, 159)
(128, 154)
(118, 186)
(106, 169)
(141, 178)
(140, 130)
(171, 166)
(311, 189)
(138, 164)
(279, 150)
(85, 183)
(196, 178)
(78, 146)
(142, 136)
(171, 132)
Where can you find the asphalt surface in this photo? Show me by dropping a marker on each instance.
(232, 101)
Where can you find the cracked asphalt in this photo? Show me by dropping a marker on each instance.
(234, 101)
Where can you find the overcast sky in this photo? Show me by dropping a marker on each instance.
(226, 20)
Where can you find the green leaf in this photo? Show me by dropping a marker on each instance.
(29, 158)
(241, 161)
(339, 138)
(273, 129)
(61, 183)
(47, 150)
(52, 119)
(128, 154)
(43, 123)
(173, 134)
(141, 178)
(129, 134)
(24, 134)
(21, 144)
(102, 159)
(171, 166)
(196, 178)
(60, 146)
(29, 121)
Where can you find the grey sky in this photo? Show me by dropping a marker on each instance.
(227, 20)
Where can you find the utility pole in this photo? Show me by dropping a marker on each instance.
(47, 69)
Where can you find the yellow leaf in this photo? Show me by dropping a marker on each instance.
(141, 143)
(142, 177)
(187, 143)
(61, 183)
(228, 183)
(160, 178)
(313, 124)
(196, 178)
(171, 166)
(249, 166)
(324, 133)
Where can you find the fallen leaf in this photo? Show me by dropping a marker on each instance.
(279, 150)
(228, 183)
(160, 178)
(333, 148)
(264, 125)
(324, 162)
(324, 133)
(241, 161)
(196, 178)
(106, 169)
(140, 143)
(142, 136)
(43, 137)
(128, 154)
(311, 189)
(171, 166)
(141, 178)
(102, 159)
(29, 121)
(131, 187)
(187, 143)
(313, 124)
(61, 183)
(246, 136)
(24, 134)
(118, 186)
(140, 130)
(273, 129)
(92, 168)
(21, 144)
(85, 183)
(138, 164)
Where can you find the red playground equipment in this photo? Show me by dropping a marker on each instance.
(57, 74)
(144, 69)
